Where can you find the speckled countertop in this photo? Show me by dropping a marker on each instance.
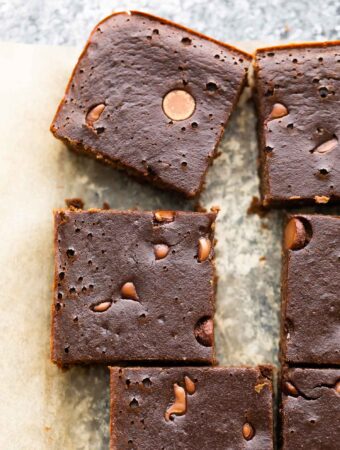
(68, 22)
(249, 247)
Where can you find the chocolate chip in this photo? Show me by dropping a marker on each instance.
(178, 105)
(295, 235)
(179, 407)
(189, 385)
(326, 147)
(278, 111)
(101, 307)
(337, 387)
(204, 331)
(321, 199)
(248, 431)
(94, 114)
(290, 389)
(204, 248)
(128, 291)
(164, 216)
(161, 251)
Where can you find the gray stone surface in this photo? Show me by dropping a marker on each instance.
(68, 22)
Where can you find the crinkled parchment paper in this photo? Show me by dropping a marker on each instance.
(42, 407)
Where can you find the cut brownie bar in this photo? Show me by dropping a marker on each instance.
(191, 408)
(133, 286)
(298, 102)
(151, 97)
(310, 291)
(310, 409)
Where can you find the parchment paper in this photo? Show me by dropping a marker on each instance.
(42, 407)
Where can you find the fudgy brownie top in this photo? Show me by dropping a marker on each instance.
(298, 100)
(310, 409)
(152, 97)
(310, 295)
(133, 286)
(191, 408)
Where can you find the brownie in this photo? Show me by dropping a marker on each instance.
(133, 286)
(310, 409)
(310, 291)
(151, 97)
(191, 408)
(298, 103)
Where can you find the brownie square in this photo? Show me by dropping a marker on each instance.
(310, 409)
(310, 291)
(151, 97)
(133, 286)
(298, 103)
(191, 408)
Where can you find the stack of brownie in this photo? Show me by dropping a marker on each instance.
(298, 99)
(136, 290)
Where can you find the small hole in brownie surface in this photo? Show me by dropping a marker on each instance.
(290, 126)
(134, 403)
(323, 172)
(268, 149)
(57, 306)
(67, 349)
(60, 295)
(155, 31)
(320, 59)
(70, 252)
(194, 125)
(295, 61)
(323, 91)
(147, 382)
(61, 275)
(128, 382)
(100, 130)
(211, 87)
(186, 41)
(72, 290)
(217, 56)
(269, 92)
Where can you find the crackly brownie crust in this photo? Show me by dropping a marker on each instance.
(191, 408)
(310, 291)
(112, 108)
(298, 97)
(310, 409)
(133, 286)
